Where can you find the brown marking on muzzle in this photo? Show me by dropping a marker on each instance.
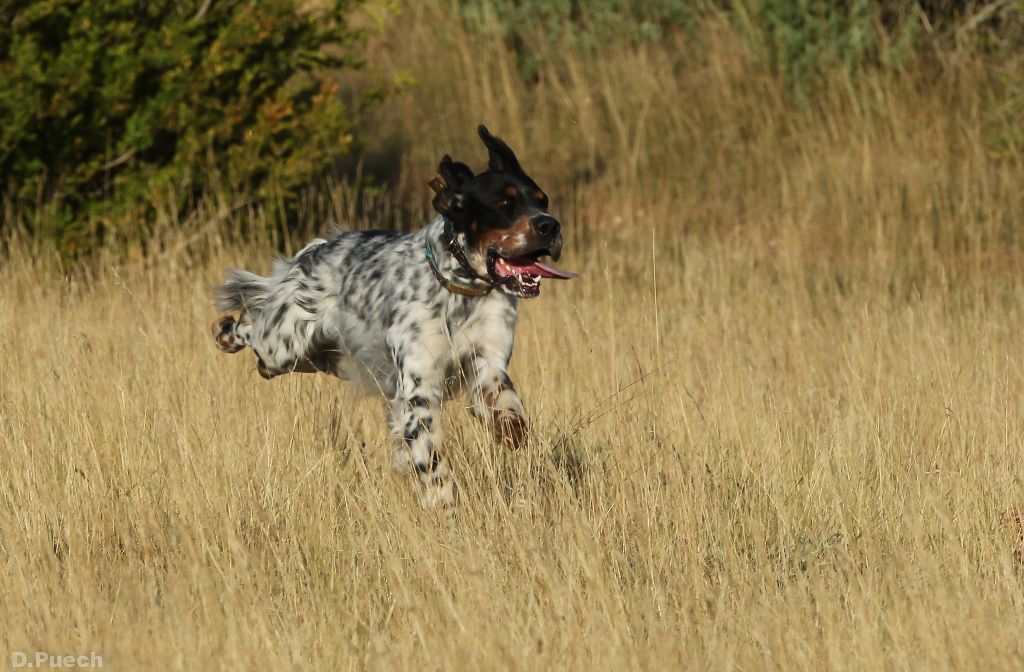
(502, 240)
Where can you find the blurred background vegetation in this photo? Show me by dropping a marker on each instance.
(124, 117)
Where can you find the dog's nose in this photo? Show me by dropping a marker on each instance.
(547, 226)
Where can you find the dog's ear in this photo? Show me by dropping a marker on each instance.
(501, 156)
(447, 185)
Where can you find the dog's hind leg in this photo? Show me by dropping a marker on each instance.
(231, 334)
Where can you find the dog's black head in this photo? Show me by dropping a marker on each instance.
(503, 217)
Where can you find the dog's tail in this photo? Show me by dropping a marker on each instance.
(243, 291)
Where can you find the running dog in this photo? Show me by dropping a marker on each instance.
(418, 317)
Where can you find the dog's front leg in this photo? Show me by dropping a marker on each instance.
(415, 422)
(495, 400)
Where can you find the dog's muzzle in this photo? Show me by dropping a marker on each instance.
(549, 230)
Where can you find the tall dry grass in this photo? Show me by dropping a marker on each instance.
(777, 419)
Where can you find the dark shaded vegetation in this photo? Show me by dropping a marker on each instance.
(121, 114)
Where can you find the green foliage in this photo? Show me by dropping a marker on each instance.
(535, 27)
(1006, 120)
(115, 107)
(801, 40)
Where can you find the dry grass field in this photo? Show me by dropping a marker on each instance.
(778, 420)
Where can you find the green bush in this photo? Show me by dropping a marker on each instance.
(537, 28)
(801, 40)
(113, 109)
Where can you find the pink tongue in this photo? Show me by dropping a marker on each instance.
(539, 268)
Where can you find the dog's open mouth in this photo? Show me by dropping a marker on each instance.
(520, 276)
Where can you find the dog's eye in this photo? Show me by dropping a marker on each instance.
(504, 203)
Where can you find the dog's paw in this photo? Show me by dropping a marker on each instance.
(224, 335)
(262, 369)
(510, 430)
(438, 490)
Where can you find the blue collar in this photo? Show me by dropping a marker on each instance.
(453, 285)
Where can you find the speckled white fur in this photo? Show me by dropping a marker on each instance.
(365, 306)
